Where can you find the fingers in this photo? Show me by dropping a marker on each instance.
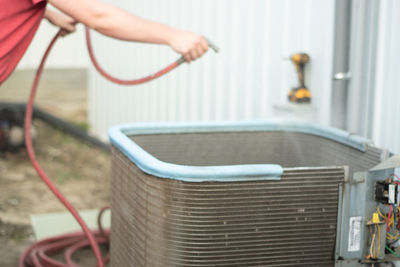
(193, 53)
(187, 57)
(67, 29)
(190, 45)
(198, 50)
(66, 23)
(204, 44)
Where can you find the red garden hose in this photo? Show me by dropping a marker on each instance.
(38, 255)
(34, 257)
(127, 82)
(140, 80)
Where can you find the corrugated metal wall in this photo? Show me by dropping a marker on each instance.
(250, 76)
(387, 89)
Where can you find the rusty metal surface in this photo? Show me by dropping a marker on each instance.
(291, 222)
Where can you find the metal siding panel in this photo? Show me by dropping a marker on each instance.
(264, 75)
(244, 81)
(321, 51)
(363, 58)
(387, 111)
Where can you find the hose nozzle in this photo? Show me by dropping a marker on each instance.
(212, 46)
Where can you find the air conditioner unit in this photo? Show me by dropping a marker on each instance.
(248, 194)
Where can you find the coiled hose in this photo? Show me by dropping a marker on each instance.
(38, 254)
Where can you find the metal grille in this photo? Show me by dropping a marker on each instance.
(289, 149)
(162, 222)
(291, 222)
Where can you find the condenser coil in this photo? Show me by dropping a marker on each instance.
(230, 194)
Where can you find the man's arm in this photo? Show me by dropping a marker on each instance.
(118, 23)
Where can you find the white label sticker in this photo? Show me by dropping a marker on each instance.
(354, 233)
(392, 188)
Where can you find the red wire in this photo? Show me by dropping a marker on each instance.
(39, 253)
(395, 175)
(388, 218)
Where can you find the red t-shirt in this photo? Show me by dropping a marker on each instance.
(19, 20)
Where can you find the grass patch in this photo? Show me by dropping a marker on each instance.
(63, 177)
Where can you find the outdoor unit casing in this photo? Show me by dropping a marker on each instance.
(230, 194)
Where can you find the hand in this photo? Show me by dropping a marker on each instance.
(190, 45)
(66, 23)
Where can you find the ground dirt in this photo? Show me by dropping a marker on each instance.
(80, 171)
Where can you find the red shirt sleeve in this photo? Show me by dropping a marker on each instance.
(37, 1)
(19, 22)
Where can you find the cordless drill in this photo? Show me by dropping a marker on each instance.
(300, 94)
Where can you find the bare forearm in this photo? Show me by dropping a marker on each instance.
(123, 25)
(115, 22)
(129, 27)
(47, 13)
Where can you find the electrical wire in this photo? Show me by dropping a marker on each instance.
(389, 219)
(390, 222)
(395, 176)
(373, 251)
(372, 247)
(398, 217)
(379, 240)
(391, 251)
(37, 255)
(391, 237)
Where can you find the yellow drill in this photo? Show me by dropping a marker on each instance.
(300, 94)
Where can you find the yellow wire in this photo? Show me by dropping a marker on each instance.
(389, 236)
(391, 219)
(379, 239)
(372, 250)
(397, 234)
(379, 212)
(393, 237)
